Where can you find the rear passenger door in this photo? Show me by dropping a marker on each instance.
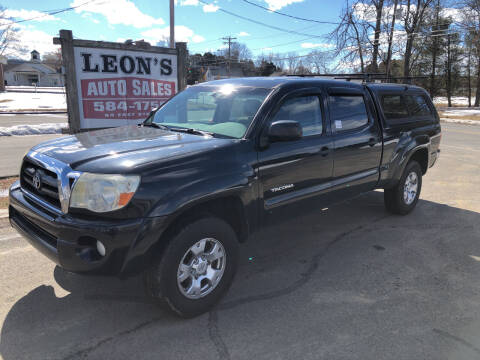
(357, 141)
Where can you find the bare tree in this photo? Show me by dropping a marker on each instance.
(278, 61)
(293, 62)
(9, 39)
(413, 20)
(471, 24)
(350, 37)
(53, 58)
(390, 26)
(238, 51)
(319, 61)
(369, 15)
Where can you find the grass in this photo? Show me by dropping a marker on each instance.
(4, 185)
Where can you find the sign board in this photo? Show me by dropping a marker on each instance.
(114, 84)
(117, 87)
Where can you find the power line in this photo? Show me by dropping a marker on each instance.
(48, 13)
(290, 16)
(250, 38)
(261, 23)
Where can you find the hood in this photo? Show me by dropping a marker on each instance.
(124, 148)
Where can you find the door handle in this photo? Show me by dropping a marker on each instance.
(372, 141)
(324, 151)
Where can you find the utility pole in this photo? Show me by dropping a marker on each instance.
(172, 24)
(435, 48)
(449, 73)
(228, 40)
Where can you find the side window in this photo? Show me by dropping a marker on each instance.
(306, 110)
(347, 112)
(394, 107)
(417, 106)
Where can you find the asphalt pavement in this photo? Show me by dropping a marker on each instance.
(347, 282)
(31, 119)
(13, 148)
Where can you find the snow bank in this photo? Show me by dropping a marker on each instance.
(33, 129)
(21, 101)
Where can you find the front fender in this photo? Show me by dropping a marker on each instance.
(177, 202)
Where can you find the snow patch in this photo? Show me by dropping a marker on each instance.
(461, 121)
(456, 100)
(21, 101)
(39, 129)
(460, 112)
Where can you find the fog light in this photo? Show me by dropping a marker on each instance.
(100, 248)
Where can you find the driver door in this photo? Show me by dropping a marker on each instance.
(292, 171)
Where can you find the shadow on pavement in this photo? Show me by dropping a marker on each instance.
(99, 311)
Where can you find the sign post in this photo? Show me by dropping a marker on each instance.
(113, 84)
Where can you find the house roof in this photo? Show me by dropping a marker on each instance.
(29, 66)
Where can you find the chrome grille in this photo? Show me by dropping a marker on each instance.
(48, 188)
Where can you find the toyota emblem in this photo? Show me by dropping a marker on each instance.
(37, 180)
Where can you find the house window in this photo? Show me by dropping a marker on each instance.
(33, 79)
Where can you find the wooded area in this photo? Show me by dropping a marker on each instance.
(432, 43)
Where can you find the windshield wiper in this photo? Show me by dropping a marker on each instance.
(192, 131)
(158, 126)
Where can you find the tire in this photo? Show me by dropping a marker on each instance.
(396, 201)
(163, 279)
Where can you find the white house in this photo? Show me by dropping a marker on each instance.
(21, 72)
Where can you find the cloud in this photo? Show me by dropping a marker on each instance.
(29, 14)
(33, 40)
(89, 16)
(206, 8)
(210, 8)
(188, 2)
(309, 45)
(243, 33)
(123, 12)
(278, 4)
(182, 33)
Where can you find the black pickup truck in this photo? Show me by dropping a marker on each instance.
(173, 197)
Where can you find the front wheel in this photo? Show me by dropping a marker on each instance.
(403, 198)
(196, 268)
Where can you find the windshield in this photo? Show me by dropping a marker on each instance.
(223, 110)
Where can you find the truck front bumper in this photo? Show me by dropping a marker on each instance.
(72, 243)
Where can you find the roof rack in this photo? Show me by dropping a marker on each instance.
(365, 77)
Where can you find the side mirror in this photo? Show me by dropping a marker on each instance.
(284, 130)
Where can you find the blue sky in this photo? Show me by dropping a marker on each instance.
(200, 25)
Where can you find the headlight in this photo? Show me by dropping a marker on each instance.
(103, 192)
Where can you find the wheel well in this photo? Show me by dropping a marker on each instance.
(421, 156)
(229, 209)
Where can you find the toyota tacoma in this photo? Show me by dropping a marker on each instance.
(173, 197)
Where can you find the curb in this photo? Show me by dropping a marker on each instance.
(3, 213)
